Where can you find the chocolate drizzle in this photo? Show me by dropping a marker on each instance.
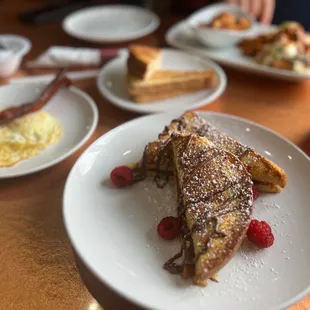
(140, 171)
(187, 248)
(160, 182)
(200, 127)
(209, 206)
(173, 267)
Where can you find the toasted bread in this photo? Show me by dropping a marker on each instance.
(157, 96)
(215, 205)
(269, 176)
(143, 60)
(268, 187)
(163, 84)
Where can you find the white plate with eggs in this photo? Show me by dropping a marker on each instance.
(44, 138)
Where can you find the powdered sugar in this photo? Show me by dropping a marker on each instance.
(248, 267)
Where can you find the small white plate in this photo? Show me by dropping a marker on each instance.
(111, 83)
(75, 111)
(114, 230)
(110, 23)
(181, 36)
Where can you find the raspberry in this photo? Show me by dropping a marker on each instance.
(121, 176)
(260, 234)
(256, 192)
(169, 228)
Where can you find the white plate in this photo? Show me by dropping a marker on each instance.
(180, 36)
(110, 23)
(111, 83)
(114, 230)
(75, 111)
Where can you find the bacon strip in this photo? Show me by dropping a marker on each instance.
(49, 91)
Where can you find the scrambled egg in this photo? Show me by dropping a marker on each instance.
(27, 136)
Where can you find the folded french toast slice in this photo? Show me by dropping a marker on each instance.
(215, 205)
(268, 176)
(163, 84)
(143, 60)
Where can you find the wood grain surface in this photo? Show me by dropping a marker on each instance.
(38, 269)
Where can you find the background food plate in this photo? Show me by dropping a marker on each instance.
(110, 23)
(114, 230)
(111, 83)
(181, 36)
(74, 110)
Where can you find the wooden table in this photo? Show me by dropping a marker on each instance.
(38, 269)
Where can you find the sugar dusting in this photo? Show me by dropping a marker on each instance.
(160, 203)
(165, 204)
(242, 283)
(245, 268)
(249, 263)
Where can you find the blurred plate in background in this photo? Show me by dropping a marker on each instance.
(110, 23)
(181, 36)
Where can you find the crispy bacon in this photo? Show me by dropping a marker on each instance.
(49, 91)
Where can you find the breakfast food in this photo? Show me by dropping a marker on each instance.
(121, 176)
(214, 177)
(286, 48)
(27, 136)
(147, 82)
(215, 206)
(25, 130)
(163, 84)
(228, 21)
(260, 233)
(11, 113)
(267, 176)
(169, 228)
(143, 60)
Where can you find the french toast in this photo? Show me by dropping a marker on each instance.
(268, 176)
(215, 205)
(162, 84)
(143, 60)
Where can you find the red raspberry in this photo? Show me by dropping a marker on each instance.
(121, 176)
(260, 233)
(256, 192)
(169, 228)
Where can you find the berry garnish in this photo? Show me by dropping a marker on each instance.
(169, 228)
(260, 234)
(121, 176)
(256, 192)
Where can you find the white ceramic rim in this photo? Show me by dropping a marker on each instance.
(75, 245)
(234, 33)
(91, 130)
(26, 42)
(139, 108)
(135, 35)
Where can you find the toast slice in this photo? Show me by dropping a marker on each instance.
(267, 175)
(143, 60)
(215, 205)
(163, 84)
